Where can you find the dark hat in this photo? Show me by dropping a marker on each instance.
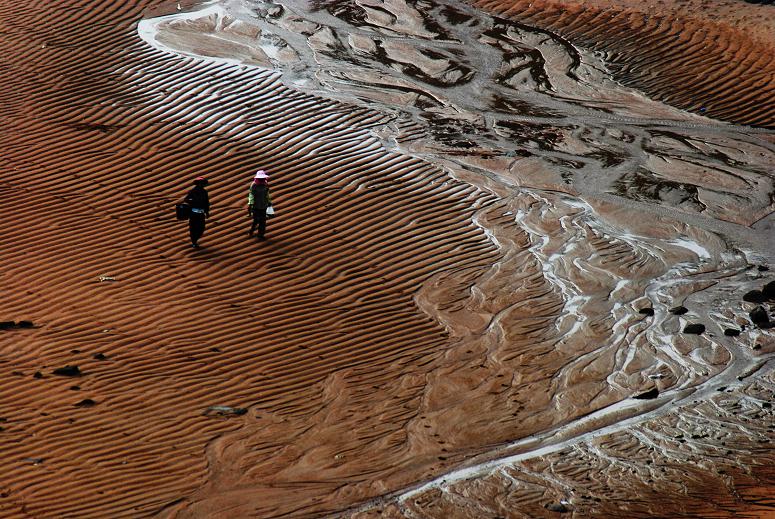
(201, 181)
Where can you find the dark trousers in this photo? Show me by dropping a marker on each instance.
(196, 226)
(259, 220)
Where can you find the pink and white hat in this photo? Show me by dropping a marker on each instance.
(261, 174)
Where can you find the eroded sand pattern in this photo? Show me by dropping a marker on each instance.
(474, 302)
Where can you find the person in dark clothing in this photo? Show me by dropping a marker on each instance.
(259, 199)
(199, 201)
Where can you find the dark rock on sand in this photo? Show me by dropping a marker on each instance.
(37, 374)
(5, 325)
(763, 268)
(68, 371)
(694, 328)
(557, 507)
(648, 395)
(25, 324)
(100, 356)
(678, 310)
(731, 332)
(754, 296)
(759, 315)
(224, 410)
(769, 290)
(646, 311)
(86, 402)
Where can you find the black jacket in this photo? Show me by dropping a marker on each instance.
(260, 197)
(197, 198)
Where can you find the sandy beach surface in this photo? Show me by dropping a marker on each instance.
(522, 265)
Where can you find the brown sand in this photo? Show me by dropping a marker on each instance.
(403, 320)
(714, 58)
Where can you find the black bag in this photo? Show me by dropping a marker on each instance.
(183, 211)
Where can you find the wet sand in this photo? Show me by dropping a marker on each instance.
(470, 303)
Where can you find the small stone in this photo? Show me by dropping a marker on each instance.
(678, 310)
(648, 395)
(86, 402)
(759, 315)
(754, 296)
(224, 410)
(75, 388)
(731, 332)
(646, 311)
(75, 352)
(694, 328)
(37, 374)
(100, 356)
(557, 507)
(769, 290)
(25, 324)
(68, 371)
(763, 268)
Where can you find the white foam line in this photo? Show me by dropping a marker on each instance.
(148, 31)
(693, 246)
(489, 467)
(677, 397)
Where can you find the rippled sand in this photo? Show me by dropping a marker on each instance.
(492, 235)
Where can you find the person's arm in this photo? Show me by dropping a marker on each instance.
(250, 201)
(268, 197)
(207, 203)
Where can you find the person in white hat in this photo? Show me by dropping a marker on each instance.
(259, 200)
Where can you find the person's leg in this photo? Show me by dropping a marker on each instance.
(196, 227)
(192, 228)
(254, 224)
(261, 224)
